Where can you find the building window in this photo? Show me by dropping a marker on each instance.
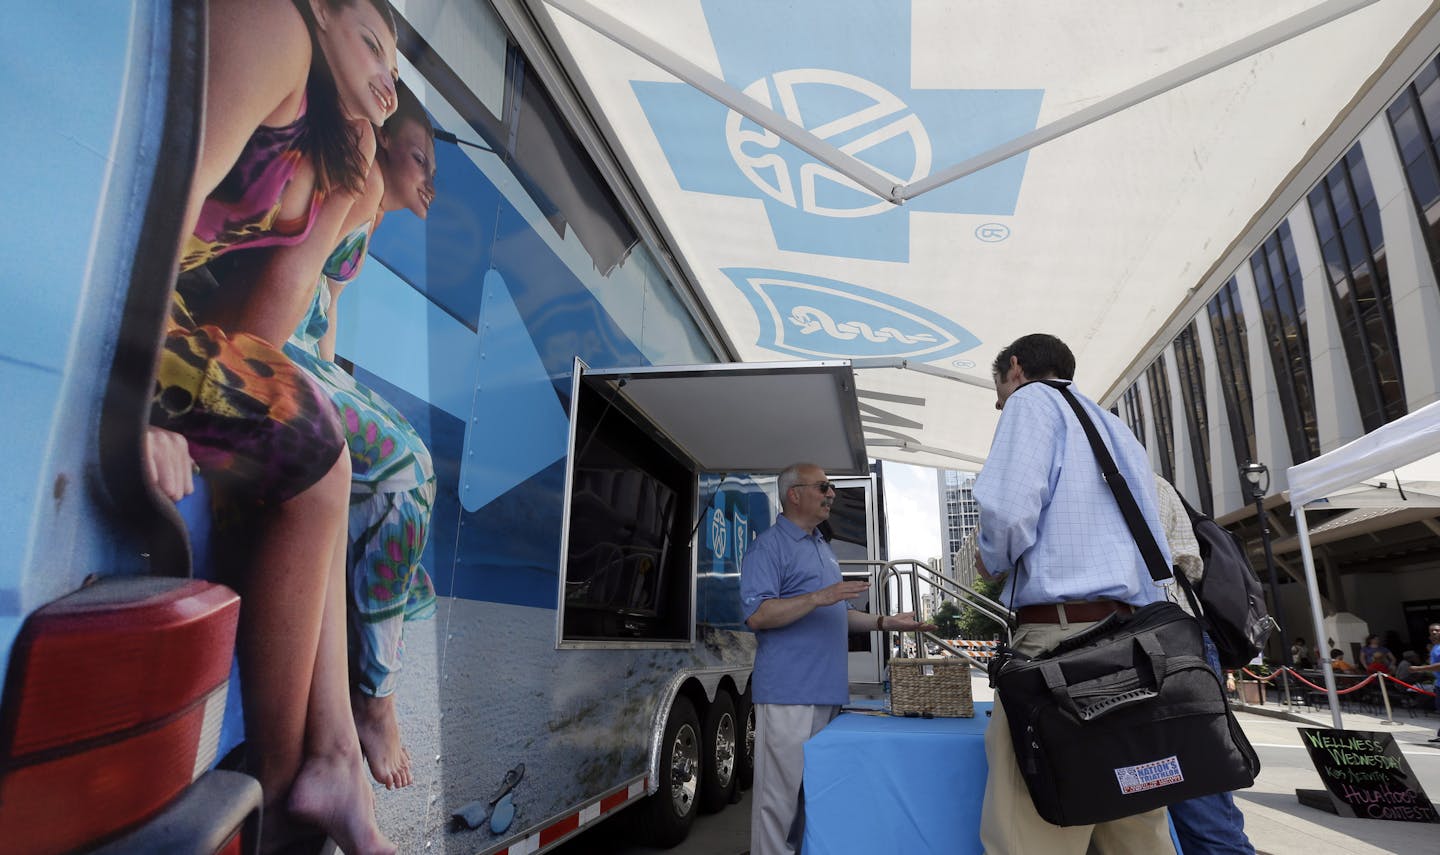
(1134, 414)
(1227, 327)
(1347, 223)
(1282, 310)
(1415, 119)
(1160, 405)
(1197, 417)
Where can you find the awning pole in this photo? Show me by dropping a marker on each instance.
(1302, 528)
(922, 368)
(907, 445)
(863, 174)
(1211, 62)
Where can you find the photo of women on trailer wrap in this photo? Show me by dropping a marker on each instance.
(530, 703)
(466, 323)
(511, 604)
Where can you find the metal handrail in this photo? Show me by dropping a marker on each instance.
(912, 575)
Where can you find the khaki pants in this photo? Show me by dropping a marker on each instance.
(777, 820)
(1008, 821)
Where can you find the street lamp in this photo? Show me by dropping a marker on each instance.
(1256, 478)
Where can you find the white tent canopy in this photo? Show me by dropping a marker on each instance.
(1403, 452)
(799, 157)
(1406, 447)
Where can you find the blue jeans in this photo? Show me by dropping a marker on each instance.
(1210, 824)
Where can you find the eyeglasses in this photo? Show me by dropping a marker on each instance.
(825, 486)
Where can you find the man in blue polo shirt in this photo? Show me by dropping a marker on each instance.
(793, 597)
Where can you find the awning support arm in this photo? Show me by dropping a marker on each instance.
(888, 188)
(636, 42)
(921, 367)
(1197, 68)
(917, 448)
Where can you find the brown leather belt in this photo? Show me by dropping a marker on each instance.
(1082, 612)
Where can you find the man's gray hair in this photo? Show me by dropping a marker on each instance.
(789, 477)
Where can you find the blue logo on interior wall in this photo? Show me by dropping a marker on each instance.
(718, 532)
(846, 78)
(815, 317)
(742, 536)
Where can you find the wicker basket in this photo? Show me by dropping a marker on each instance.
(937, 687)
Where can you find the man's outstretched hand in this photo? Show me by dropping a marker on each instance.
(906, 622)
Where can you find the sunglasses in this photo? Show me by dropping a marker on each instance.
(825, 486)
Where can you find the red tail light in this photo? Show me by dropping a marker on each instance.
(112, 707)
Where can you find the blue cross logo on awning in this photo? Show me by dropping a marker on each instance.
(845, 78)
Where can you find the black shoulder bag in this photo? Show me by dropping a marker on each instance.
(1127, 716)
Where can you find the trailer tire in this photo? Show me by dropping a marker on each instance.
(723, 739)
(663, 819)
(745, 755)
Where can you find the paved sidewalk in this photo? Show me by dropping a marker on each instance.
(1278, 824)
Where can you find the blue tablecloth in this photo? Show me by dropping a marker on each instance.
(879, 784)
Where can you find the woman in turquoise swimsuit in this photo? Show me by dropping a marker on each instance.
(393, 479)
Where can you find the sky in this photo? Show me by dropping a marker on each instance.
(912, 515)
(912, 507)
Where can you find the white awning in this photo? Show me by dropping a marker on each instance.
(1394, 464)
(1098, 236)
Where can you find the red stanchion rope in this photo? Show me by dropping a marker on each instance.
(1355, 688)
(1399, 682)
(1258, 677)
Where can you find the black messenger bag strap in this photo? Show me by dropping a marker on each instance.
(1144, 538)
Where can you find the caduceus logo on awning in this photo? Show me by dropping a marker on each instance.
(819, 318)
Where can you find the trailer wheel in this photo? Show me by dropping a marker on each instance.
(722, 741)
(745, 756)
(664, 819)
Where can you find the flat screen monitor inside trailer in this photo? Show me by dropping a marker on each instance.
(632, 507)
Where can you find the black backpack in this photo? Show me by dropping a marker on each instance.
(1231, 601)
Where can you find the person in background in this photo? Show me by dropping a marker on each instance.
(1300, 654)
(1052, 529)
(1431, 667)
(1403, 671)
(1376, 657)
(1209, 824)
(793, 597)
(1338, 663)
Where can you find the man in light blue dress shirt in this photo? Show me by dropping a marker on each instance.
(1051, 527)
(793, 597)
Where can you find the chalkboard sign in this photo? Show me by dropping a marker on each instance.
(1365, 775)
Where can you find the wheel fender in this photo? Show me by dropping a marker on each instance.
(709, 680)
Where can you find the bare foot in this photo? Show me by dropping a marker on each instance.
(279, 830)
(379, 731)
(332, 794)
